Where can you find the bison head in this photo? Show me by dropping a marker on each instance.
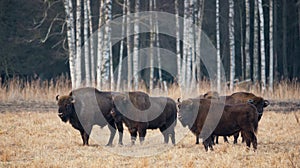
(65, 107)
(117, 116)
(187, 112)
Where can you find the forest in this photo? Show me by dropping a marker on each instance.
(253, 41)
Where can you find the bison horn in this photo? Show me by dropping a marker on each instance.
(57, 97)
(72, 99)
(266, 103)
(178, 100)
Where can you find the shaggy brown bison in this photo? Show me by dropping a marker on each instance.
(237, 98)
(234, 118)
(138, 115)
(86, 107)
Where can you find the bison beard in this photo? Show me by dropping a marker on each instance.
(146, 113)
(86, 107)
(235, 118)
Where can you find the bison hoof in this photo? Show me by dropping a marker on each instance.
(109, 144)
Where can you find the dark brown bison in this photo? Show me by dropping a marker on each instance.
(234, 118)
(86, 107)
(140, 114)
(237, 98)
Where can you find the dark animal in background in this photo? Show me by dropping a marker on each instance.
(237, 117)
(86, 107)
(140, 114)
(237, 98)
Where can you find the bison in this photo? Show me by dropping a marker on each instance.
(140, 114)
(237, 98)
(234, 118)
(86, 107)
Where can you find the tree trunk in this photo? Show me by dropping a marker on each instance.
(179, 71)
(198, 43)
(284, 39)
(271, 71)
(262, 46)
(218, 47)
(157, 45)
(78, 44)
(121, 47)
(231, 42)
(91, 43)
(151, 49)
(185, 43)
(86, 44)
(129, 56)
(247, 41)
(71, 39)
(100, 46)
(255, 45)
(136, 46)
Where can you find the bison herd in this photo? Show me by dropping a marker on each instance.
(207, 116)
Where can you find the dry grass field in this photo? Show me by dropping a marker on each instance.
(32, 135)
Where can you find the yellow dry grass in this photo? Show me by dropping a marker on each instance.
(32, 139)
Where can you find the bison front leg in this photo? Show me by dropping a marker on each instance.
(142, 133)
(120, 130)
(197, 138)
(85, 137)
(133, 134)
(236, 136)
(208, 143)
(225, 139)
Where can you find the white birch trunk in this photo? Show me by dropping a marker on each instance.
(86, 45)
(151, 85)
(271, 70)
(198, 42)
(218, 47)
(78, 44)
(129, 54)
(179, 71)
(121, 47)
(91, 43)
(157, 47)
(136, 46)
(255, 45)
(247, 40)
(109, 75)
(100, 47)
(189, 47)
(185, 43)
(262, 46)
(231, 42)
(71, 39)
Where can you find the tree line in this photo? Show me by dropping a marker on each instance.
(255, 41)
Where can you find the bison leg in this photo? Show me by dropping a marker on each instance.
(225, 139)
(217, 139)
(85, 137)
(236, 136)
(208, 143)
(197, 139)
(112, 129)
(173, 137)
(120, 130)
(142, 134)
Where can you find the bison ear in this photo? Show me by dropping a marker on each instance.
(266, 103)
(57, 97)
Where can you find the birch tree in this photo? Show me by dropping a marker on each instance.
(78, 44)
(86, 44)
(93, 76)
(129, 56)
(198, 42)
(185, 42)
(231, 42)
(71, 39)
(247, 41)
(157, 45)
(218, 46)
(255, 45)
(262, 46)
(151, 76)
(178, 55)
(271, 69)
(100, 46)
(136, 45)
(121, 47)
